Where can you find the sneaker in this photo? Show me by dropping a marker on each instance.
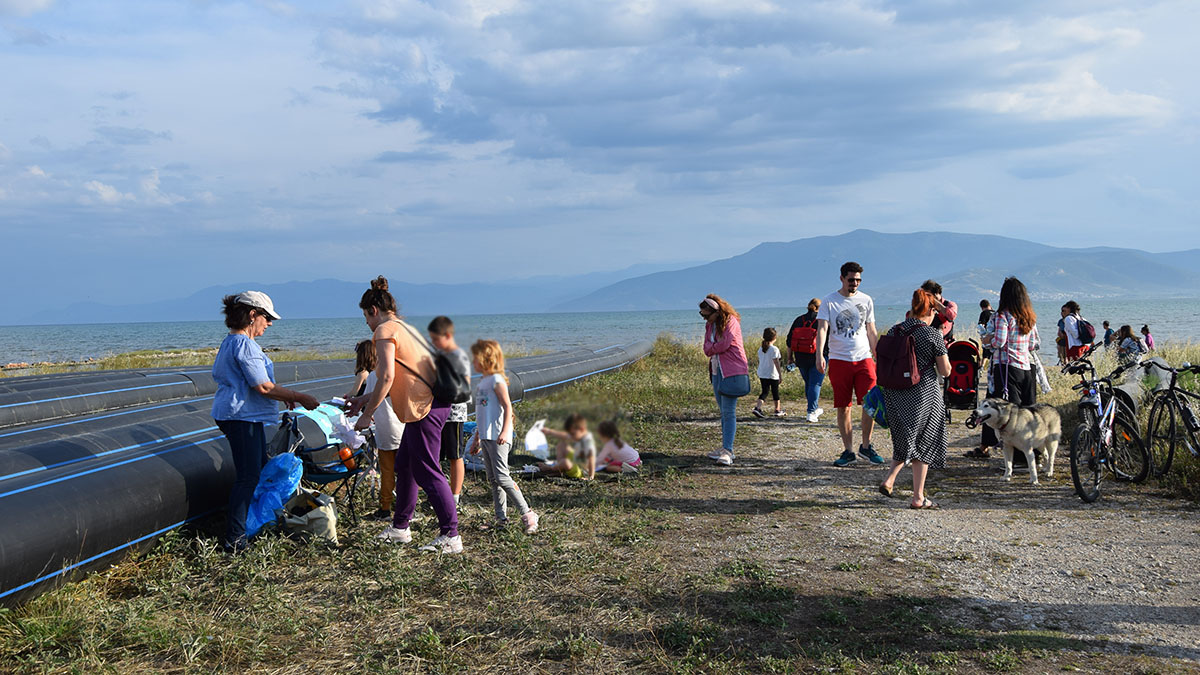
(531, 522)
(395, 535)
(530, 468)
(811, 418)
(779, 413)
(444, 544)
(715, 454)
(868, 453)
(818, 412)
(758, 412)
(725, 459)
(846, 459)
(628, 468)
(381, 514)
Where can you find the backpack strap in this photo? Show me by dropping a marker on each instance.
(425, 345)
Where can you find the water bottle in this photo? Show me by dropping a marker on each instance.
(347, 457)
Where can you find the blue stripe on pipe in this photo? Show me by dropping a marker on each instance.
(594, 372)
(94, 393)
(142, 409)
(185, 446)
(98, 556)
(97, 455)
(178, 372)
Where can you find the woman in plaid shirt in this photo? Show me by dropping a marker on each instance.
(1012, 335)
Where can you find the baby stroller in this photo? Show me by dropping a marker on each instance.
(310, 434)
(962, 385)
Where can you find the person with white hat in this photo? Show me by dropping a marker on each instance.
(245, 401)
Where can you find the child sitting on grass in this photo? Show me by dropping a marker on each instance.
(575, 455)
(616, 456)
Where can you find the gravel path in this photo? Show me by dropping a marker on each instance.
(1122, 574)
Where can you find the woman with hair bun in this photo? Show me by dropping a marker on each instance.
(245, 402)
(404, 372)
(917, 415)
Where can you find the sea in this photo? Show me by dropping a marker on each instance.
(1170, 320)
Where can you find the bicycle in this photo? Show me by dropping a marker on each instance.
(1162, 431)
(1105, 440)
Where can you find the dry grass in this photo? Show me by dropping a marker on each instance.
(613, 583)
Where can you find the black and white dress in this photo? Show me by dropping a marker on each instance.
(917, 416)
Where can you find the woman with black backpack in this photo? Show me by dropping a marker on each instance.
(917, 412)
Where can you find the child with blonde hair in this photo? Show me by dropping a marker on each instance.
(616, 456)
(494, 432)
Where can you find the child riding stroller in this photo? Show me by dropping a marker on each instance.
(962, 385)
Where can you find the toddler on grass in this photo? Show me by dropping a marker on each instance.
(616, 456)
(575, 455)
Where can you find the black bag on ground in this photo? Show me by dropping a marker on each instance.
(897, 360)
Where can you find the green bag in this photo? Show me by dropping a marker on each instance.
(309, 514)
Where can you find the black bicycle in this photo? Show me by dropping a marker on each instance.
(1170, 406)
(1106, 440)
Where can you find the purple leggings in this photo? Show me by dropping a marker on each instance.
(418, 464)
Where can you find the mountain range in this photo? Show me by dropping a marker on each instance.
(772, 274)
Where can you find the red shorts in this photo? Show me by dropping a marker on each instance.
(850, 379)
(1075, 352)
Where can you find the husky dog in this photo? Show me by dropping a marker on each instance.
(1025, 429)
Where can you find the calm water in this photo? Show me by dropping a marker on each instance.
(1171, 320)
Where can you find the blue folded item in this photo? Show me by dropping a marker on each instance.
(276, 484)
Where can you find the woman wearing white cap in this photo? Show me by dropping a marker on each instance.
(245, 400)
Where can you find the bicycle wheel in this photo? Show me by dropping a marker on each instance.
(1086, 470)
(1160, 435)
(1127, 455)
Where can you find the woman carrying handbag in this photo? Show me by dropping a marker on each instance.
(727, 367)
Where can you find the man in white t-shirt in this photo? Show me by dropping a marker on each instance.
(846, 320)
(1070, 330)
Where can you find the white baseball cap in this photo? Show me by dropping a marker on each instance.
(259, 300)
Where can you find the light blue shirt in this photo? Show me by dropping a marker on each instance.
(240, 366)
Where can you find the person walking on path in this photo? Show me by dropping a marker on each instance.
(846, 322)
(769, 373)
(802, 351)
(404, 367)
(1013, 335)
(917, 416)
(245, 401)
(945, 311)
(727, 367)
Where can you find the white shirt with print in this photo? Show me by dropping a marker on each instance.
(848, 318)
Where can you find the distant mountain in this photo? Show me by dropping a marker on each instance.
(787, 274)
(333, 298)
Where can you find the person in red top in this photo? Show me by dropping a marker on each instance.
(945, 311)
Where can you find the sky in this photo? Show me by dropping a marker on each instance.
(150, 149)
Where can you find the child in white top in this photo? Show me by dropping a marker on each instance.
(387, 428)
(769, 369)
(494, 432)
(616, 456)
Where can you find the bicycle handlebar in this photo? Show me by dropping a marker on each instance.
(1156, 361)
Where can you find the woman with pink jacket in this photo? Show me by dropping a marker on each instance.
(727, 367)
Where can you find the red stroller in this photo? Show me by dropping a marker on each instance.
(962, 385)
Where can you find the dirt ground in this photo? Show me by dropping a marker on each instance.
(1119, 574)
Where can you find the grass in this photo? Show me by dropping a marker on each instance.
(632, 574)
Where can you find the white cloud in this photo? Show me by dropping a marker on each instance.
(5, 153)
(36, 170)
(152, 194)
(24, 7)
(1073, 95)
(107, 193)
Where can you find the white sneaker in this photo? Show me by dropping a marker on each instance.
(779, 413)
(715, 454)
(726, 459)
(531, 522)
(395, 535)
(812, 418)
(819, 411)
(628, 468)
(444, 544)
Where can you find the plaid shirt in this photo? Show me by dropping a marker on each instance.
(1009, 345)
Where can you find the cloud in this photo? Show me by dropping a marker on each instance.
(107, 194)
(394, 156)
(36, 170)
(131, 136)
(153, 194)
(24, 7)
(1074, 95)
(27, 36)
